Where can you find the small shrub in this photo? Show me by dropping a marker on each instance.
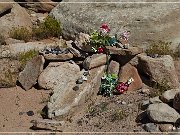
(49, 28)
(160, 88)
(25, 56)
(21, 33)
(160, 48)
(118, 115)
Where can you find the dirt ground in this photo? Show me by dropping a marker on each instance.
(100, 114)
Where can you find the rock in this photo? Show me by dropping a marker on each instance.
(46, 124)
(74, 50)
(113, 67)
(161, 112)
(59, 74)
(4, 8)
(17, 48)
(59, 57)
(145, 27)
(96, 60)
(150, 127)
(131, 51)
(168, 95)
(29, 76)
(13, 41)
(18, 17)
(177, 66)
(9, 71)
(160, 70)
(145, 104)
(176, 101)
(128, 71)
(155, 100)
(39, 5)
(66, 101)
(30, 113)
(81, 42)
(165, 127)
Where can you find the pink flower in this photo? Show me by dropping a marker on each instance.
(104, 28)
(126, 35)
(100, 50)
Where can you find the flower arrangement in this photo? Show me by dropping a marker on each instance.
(109, 85)
(100, 39)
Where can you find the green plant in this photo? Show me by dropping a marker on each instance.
(160, 48)
(160, 88)
(118, 115)
(108, 84)
(21, 33)
(25, 56)
(49, 28)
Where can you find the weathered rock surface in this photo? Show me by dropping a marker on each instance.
(58, 57)
(81, 42)
(165, 127)
(9, 71)
(150, 127)
(145, 27)
(169, 95)
(114, 67)
(128, 71)
(159, 69)
(29, 76)
(47, 124)
(18, 17)
(161, 112)
(131, 51)
(176, 101)
(5, 7)
(59, 75)
(39, 5)
(95, 60)
(65, 100)
(16, 48)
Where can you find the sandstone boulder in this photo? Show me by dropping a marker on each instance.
(9, 71)
(59, 74)
(161, 112)
(128, 71)
(95, 60)
(145, 27)
(159, 69)
(39, 5)
(114, 67)
(66, 100)
(29, 76)
(18, 17)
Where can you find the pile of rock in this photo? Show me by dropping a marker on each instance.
(163, 111)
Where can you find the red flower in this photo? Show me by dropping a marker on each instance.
(122, 87)
(105, 28)
(100, 50)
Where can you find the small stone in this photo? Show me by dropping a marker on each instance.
(169, 95)
(30, 113)
(86, 73)
(150, 127)
(79, 81)
(84, 78)
(76, 88)
(166, 127)
(123, 103)
(21, 113)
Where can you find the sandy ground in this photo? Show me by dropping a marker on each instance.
(15, 103)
